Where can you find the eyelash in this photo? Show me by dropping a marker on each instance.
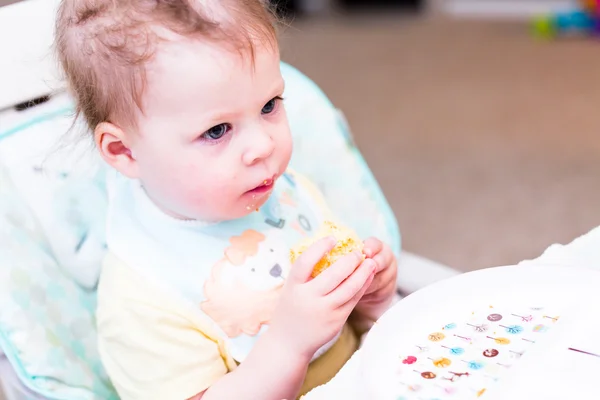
(278, 101)
(203, 138)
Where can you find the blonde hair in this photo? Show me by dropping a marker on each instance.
(103, 45)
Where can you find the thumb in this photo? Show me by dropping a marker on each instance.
(305, 264)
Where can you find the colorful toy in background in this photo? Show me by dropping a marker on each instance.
(582, 21)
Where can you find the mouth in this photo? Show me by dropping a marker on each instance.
(265, 187)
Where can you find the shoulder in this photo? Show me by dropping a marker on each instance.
(151, 343)
(315, 193)
(126, 296)
(124, 288)
(303, 183)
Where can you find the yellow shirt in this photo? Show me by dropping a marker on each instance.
(156, 347)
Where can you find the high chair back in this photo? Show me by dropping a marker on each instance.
(52, 207)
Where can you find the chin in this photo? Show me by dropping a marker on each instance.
(254, 207)
(237, 211)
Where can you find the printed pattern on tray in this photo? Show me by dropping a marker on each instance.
(463, 359)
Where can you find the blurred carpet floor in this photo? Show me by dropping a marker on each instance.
(485, 141)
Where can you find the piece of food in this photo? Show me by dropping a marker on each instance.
(347, 242)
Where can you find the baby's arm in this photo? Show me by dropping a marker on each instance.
(272, 370)
(310, 313)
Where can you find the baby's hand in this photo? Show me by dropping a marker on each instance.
(312, 311)
(380, 293)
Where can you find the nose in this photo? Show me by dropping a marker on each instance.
(276, 271)
(260, 147)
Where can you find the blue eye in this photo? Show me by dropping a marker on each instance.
(270, 106)
(216, 132)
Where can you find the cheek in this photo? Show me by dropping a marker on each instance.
(284, 139)
(173, 177)
(206, 184)
(288, 148)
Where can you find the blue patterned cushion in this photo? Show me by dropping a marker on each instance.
(47, 325)
(61, 178)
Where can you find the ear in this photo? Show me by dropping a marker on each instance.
(114, 148)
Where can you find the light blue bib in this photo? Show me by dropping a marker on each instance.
(231, 271)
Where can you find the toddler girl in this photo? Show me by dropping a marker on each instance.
(197, 297)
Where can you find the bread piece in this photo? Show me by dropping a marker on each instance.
(347, 242)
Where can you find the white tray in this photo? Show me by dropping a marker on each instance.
(387, 372)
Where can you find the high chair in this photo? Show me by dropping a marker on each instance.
(52, 205)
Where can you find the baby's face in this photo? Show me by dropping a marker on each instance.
(214, 135)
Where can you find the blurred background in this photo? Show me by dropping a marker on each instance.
(485, 138)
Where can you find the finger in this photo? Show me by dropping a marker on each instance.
(386, 284)
(383, 278)
(337, 273)
(353, 284)
(372, 247)
(384, 259)
(361, 293)
(304, 265)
